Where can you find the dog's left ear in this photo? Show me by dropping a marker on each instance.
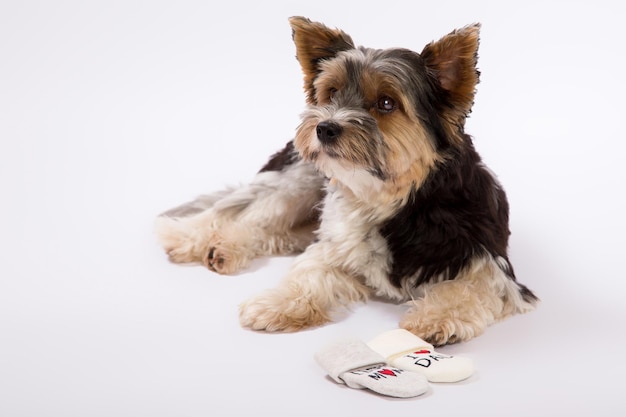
(314, 43)
(453, 60)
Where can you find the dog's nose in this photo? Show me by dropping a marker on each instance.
(328, 132)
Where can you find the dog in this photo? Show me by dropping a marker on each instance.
(381, 193)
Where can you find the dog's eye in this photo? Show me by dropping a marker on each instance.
(327, 95)
(385, 104)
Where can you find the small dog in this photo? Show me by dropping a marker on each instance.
(381, 193)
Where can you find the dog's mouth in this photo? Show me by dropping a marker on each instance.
(330, 152)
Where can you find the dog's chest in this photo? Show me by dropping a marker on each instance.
(350, 232)
(346, 222)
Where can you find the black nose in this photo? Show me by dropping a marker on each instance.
(328, 132)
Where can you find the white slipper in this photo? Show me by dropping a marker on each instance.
(404, 350)
(353, 363)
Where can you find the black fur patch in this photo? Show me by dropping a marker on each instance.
(458, 214)
(281, 159)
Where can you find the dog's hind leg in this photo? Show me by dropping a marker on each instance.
(278, 215)
(459, 309)
(275, 214)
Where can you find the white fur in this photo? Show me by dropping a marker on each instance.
(269, 216)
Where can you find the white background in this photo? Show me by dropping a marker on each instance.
(113, 111)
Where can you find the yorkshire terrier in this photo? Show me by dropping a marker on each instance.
(380, 193)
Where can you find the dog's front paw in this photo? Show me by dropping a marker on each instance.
(440, 330)
(182, 243)
(435, 334)
(277, 310)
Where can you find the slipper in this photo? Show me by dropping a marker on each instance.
(404, 350)
(353, 363)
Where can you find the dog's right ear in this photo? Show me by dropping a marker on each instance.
(314, 43)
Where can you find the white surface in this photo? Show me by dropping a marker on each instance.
(112, 111)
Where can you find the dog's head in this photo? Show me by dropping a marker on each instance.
(379, 120)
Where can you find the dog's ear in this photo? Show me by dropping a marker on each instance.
(314, 43)
(453, 60)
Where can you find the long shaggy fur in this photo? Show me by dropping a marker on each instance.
(381, 192)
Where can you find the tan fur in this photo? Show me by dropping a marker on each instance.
(411, 155)
(314, 42)
(457, 310)
(453, 60)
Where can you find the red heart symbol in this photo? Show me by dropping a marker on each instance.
(423, 352)
(387, 372)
